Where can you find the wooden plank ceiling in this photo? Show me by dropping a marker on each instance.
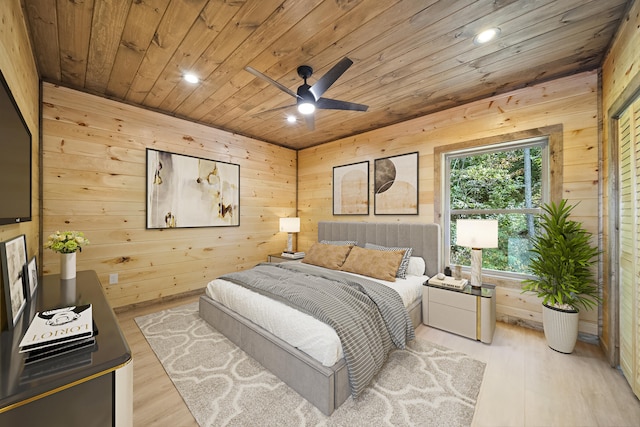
(411, 57)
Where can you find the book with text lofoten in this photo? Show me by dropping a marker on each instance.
(60, 325)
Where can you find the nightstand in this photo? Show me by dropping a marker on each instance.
(280, 258)
(470, 312)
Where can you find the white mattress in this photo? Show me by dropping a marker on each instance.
(300, 330)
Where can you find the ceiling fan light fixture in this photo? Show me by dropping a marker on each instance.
(309, 98)
(306, 107)
(486, 35)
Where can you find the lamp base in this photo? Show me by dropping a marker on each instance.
(476, 268)
(289, 247)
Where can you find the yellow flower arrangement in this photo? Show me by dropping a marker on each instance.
(66, 242)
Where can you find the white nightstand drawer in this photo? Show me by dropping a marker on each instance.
(469, 312)
(456, 320)
(453, 299)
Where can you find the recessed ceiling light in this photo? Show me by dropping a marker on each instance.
(191, 78)
(486, 35)
(291, 119)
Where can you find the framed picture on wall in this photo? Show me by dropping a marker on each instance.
(13, 255)
(31, 278)
(396, 185)
(186, 191)
(351, 189)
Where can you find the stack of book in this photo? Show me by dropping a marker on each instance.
(59, 331)
(293, 255)
(448, 282)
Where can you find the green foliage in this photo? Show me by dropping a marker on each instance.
(496, 181)
(562, 260)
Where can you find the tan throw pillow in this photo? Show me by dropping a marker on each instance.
(373, 263)
(404, 264)
(327, 256)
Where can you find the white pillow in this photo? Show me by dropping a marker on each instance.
(416, 266)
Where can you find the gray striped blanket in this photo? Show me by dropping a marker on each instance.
(369, 318)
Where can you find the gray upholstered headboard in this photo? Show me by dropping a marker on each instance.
(423, 238)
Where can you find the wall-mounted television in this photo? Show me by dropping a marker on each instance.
(15, 160)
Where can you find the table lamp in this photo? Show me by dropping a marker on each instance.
(477, 234)
(290, 225)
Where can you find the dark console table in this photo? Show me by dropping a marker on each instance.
(90, 387)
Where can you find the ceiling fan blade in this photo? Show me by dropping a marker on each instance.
(330, 77)
(311, 121)
(336, 104)
(271, 110)
(270, 80)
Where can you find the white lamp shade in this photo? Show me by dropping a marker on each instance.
(290, 225)
(477, 233)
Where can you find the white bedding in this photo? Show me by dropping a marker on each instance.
(300, 330)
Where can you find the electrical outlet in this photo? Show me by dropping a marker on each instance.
(113, 278)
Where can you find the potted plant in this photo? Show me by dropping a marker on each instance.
(562, 260)
(67, 243)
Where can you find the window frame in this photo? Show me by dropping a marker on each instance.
(552, 178)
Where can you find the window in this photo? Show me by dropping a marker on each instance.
(506, 181)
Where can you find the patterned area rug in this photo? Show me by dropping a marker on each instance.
(422, 386)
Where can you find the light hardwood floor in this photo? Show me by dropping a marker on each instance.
(525, 382)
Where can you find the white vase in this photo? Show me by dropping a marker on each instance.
(68, 266)
(560, 328)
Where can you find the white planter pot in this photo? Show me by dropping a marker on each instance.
(68, 266)
(560, 328)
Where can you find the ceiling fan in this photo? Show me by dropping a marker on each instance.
(309, 98)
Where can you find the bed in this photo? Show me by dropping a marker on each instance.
(326, 387)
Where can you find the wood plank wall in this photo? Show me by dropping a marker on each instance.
(620, 81)
(570, 102)
(94, 181)
(19, 69)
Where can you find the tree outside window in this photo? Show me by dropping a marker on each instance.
(506, 182)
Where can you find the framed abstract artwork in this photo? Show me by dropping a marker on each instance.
(185, 191)
(396, 185)
(13, 255)
(351, 189)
